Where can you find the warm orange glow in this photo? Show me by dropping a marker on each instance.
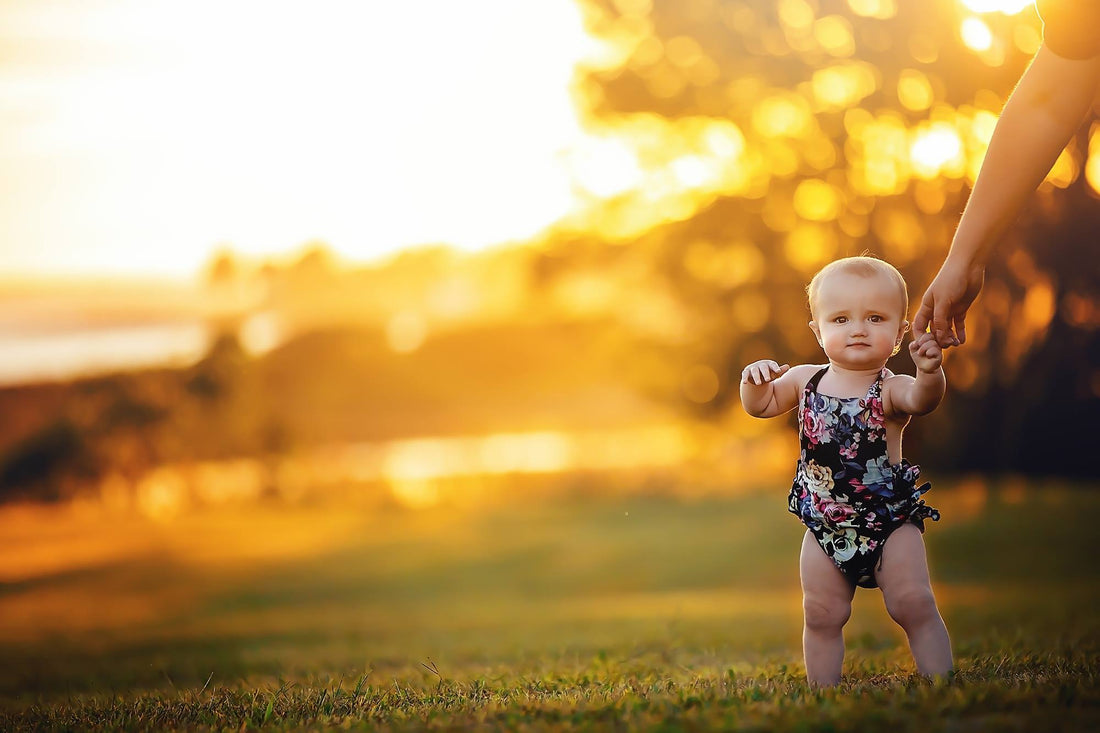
(937, 150)
(914, 90)
(605, 166)
(700, 383)
(900, 233)
(406, 331)
(843, 85)
(880, 154)
(1039, 305)
(783, 115)
(751, 310)
(810, 246)
(1065, 170)
(834, 33)
(683, 52)
(1092, 166)
(795, 14)
(817, 201)
(261, 332)
(662, 169)
(1009, 7)
(203, 127)
(881, 9)
(661, 172)
(976, 34)
(1027, 38)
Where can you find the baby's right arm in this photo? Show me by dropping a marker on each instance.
(768, 389)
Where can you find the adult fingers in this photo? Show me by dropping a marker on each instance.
(924, 315)
(960, 328)
(941, 324)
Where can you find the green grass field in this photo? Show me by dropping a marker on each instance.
(614, 613)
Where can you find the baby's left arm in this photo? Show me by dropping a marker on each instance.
(920, 395)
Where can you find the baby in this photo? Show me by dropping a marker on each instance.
(856, 495)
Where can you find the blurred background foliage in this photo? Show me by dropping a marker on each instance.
(737, 147)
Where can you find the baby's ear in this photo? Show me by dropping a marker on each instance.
(905, 326)
(816, 330)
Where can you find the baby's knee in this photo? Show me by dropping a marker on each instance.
(826, 614)
(912, 607)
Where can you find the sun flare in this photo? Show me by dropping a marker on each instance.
(160, 131)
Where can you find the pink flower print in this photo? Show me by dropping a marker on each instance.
(877, 418)
(837, 512)
(813, 426)
(834, 512)
(850, 449)
(859, 488)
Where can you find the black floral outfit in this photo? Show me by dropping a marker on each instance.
(845, 490)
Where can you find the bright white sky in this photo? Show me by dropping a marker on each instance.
(138, 136)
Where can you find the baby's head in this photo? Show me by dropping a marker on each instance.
(864, 290)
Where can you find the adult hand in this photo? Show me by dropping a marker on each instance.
(947, 300)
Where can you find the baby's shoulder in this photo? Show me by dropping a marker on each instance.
(801, 374)
(890, 383)
(892, 380)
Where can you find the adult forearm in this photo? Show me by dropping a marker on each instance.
(1040, 117)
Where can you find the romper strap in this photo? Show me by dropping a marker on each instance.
(812, 384)
(876, 386)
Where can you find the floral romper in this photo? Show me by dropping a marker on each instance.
(845, 490)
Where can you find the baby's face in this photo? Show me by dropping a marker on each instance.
(858, 320)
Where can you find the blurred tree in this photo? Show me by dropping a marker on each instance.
(223, 269)
(859, 126)
(46, 464)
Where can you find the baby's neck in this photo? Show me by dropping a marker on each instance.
(841, 381)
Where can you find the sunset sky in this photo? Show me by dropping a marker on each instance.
(138, 136)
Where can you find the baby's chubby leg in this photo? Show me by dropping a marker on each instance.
(909, 600)
(827, 603)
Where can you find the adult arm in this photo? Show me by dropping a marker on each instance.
(1041, 115)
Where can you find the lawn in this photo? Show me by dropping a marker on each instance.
(626, 612)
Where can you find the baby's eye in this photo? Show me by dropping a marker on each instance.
(840, 319)
(876, 319)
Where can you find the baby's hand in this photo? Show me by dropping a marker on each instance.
(762, 372)
(926, 353)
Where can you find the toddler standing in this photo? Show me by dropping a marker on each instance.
(856, 495)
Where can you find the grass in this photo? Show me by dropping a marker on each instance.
(629, 612)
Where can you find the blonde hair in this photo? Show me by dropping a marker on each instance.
(864, 266)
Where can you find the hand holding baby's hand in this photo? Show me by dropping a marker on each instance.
(926, 353)
(762, 372)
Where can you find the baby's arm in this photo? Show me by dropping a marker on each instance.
(768, 389)
(919, 396)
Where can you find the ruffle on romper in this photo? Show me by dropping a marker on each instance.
(907, 503)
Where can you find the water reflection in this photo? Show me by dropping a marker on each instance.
(67, 354)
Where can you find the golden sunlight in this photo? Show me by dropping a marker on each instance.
(976, 34)
(1092, 167)
(881, 9)
(936, 150)
(162, 130)
(1008, 7)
